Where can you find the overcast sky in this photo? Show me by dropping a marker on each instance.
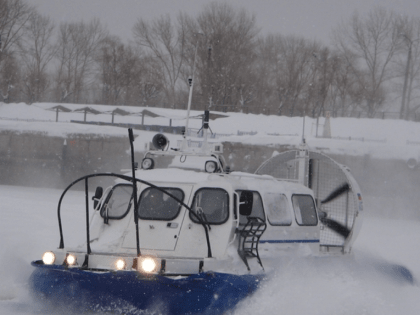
(312, 19)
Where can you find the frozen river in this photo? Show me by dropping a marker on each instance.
(352, 284)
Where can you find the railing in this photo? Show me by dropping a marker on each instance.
(255, 109)
(156, 128)
(412, 142)
(27, 120)
(196, 133)
(191, 143)
(247, 133)
(282, 134)
(129, 179)
(361, 139)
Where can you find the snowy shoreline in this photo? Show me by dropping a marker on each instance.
(381, 139)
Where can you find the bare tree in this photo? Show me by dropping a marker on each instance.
(226, 55)
(126, 76)
(294, 73)
(267, 51)
(14, 15)
(165, 41)
(148, 83)
(327, 76)
(344, 85)
(37, 52)
(117, 64)
(373, 39)
(407, 64)
(78, 45)
(245, 90)
(10, 78)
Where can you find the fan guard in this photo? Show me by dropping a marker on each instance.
(323, 175)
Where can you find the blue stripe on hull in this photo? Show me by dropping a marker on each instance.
(287, 241)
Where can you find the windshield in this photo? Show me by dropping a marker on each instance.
(156, 205)
(118, 202)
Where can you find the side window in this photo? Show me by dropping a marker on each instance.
(257, 208)
(278, 210)
(156, 205)
(211, 205)
(118, 202)
(304, 208)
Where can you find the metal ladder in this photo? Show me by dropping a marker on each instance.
(249, 237)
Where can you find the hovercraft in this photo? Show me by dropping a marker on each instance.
(183, 241)
(187, 241)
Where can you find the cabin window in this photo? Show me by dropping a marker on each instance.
(257, 208)
(305, 211)
(154, 204)
(278, 210)
(211, 205)
(118, 202)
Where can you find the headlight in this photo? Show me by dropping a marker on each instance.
(48, 258)
(147, 264)
(71, 260)
(120, 264)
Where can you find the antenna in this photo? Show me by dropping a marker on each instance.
(205, 127)
(303, 131)
(303, 158)
(191, 84)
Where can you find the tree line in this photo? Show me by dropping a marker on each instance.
(372, 65)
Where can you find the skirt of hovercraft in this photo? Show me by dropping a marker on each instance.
(130, 291)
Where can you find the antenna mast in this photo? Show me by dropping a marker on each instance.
(303, 130)
(191, 83)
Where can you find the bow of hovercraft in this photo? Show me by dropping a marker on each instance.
(159, 242)
(131, 291)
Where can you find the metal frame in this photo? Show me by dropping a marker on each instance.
(129, 179)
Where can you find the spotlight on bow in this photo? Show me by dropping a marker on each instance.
(147, 164)
(211, 167)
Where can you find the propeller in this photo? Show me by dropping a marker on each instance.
(337, 227)
(336, 193)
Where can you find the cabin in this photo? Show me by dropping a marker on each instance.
(238, 210)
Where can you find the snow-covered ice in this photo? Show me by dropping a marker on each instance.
(349, 284)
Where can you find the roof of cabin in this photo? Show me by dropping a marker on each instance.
(238, 180)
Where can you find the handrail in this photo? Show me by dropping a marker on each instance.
(133, 176)
(129, 179)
